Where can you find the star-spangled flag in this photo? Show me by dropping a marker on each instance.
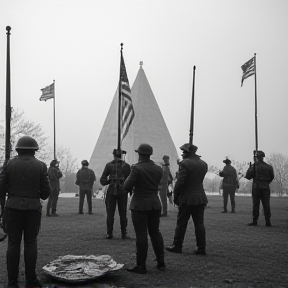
(47, 93)
(248, 69)
(127, 109)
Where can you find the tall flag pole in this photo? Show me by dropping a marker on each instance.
(249, 69)
(191, 132)
(125, 106)
(49, 93)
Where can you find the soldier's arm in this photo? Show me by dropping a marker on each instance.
(131, 179)
(182, 175)
(44, 183)
(104, 178)
(250, 173)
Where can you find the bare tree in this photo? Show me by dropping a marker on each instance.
(280, 166)
(67, 162)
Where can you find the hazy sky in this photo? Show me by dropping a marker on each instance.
(77, 44)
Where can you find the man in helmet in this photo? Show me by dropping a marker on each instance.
(229, 185)
(145, 208)
(54, 174)
(27, 182)
(190, 197)
(85, 179)
(262, 175)
(114, 175)
(164, 183)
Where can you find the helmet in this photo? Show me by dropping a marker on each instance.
(145, 149)
(117, 153)
(166, 157)
(85, 163)
(187, 147)
(259, 153)
(27, 143)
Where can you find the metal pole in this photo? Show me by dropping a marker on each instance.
(54, 122)
(119, 102)
(256, 122)
(192, 110)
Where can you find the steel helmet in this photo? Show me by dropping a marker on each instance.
(27, 143)
(144, 149)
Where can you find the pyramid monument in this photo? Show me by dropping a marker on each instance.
(148, 126)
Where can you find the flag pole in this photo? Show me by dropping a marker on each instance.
(54, 121)
(119, 102)
(8, 100)
(192, 111)
(256, 121)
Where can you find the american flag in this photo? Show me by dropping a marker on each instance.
(47, 93)
(126, 100)
(248, 69)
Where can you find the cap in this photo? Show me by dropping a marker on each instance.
(189, 147)
(259, 153)
(85, 163)
(166, 157)
(54, 162)
(227, 161)
(117, 153)
(145, 149)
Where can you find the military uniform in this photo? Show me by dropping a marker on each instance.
(262, 175)
(229, 184)
(85, 179)
(54, 174)
(166, 180)
(26, 181)
(145, 208)
(114, 175)
(190, 197)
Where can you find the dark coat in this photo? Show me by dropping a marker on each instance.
(54, 174)
(189, 184)
(114, 175)
(26, 181)
(264, 175)
(230, 179)
(85, 178)
(144, 179)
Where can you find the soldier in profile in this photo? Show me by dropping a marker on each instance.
(114, 175)
(85, 179)
(262, 175)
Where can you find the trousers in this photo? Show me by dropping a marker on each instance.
(20, 223)
(163, 198)
(184, 213)
(52, 200)
(88, 194)
(262, 195)
(144, 221)
(111, 202)
(229, 191)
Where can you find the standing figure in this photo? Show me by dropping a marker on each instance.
(85, 179)
(114, 175)
(164, 183)
(262, 175)
(190, 197)
(229, 184)
(26, 181)
(145, 208)
(54, 174)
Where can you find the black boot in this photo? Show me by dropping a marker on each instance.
(138, 269)
(174, 248)
(253, 223)
(160, 262)
(54, 214)
(200, 251)
(224, 211)
(268, 223)
(233, 210)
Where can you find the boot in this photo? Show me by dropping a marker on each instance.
(268, 223)
(224, 211)
(138, 269)
(54, 214)
(233, 210)
(174, 248)
(109, 235)
(200, 251)
(123, 235)
(160, 263)
(253, 223)
(33, 284)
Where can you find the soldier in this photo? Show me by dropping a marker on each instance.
(190, 197)
(262, 175)
(85, 179)
(229, 185)
(27, 181)
(54, 174)
(164, 183)
(145, 208)
(114, 175)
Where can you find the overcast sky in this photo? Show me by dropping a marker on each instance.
(77, 44)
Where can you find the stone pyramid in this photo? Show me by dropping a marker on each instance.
(148, 126)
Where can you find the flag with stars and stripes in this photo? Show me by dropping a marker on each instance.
(127, 110)
(47, 93)
(248, 69)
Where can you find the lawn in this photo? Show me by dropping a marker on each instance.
(238, 255)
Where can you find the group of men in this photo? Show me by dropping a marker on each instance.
(26, 180)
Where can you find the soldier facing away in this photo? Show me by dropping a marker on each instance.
(229, 185)
(114, 175)
(145, 208)
(262, 175)
(190, 197)
(27, 182)
(85, 179)
(54, 174)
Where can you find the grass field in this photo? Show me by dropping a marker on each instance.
(238, 255)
